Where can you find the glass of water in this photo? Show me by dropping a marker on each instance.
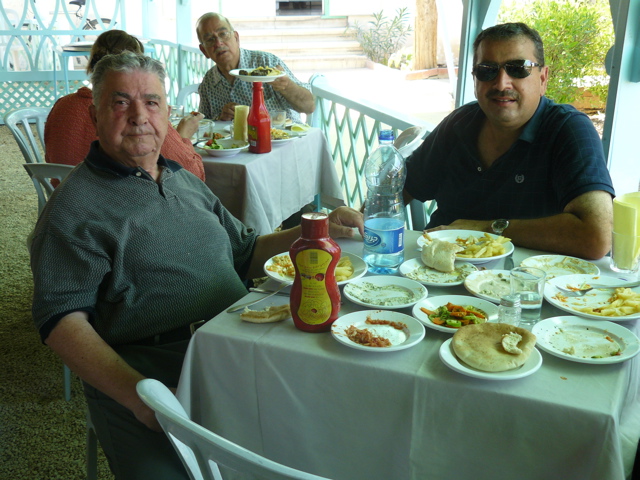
(528, 282)
(176, 114)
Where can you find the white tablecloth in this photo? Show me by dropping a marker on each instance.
(262, 190)
(312, 403)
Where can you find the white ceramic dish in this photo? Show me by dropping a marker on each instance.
(250, 78)
(432, 303)
(385, 292)
(579, 340)
(449, 358)
(227, 149)
(489, 284)
(400, 339)
(418, 271)
(282, 141)
(298, 128)
(595, 298)
(452, 235)
(359, 269)
(557, 265)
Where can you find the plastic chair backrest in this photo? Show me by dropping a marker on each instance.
(41, 175)
(200, 449)
(409, 140)
(19, 122)
(186, 92)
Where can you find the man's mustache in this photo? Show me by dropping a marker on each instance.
(513, 95)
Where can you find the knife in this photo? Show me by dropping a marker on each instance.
(263, 290)
(242, 306)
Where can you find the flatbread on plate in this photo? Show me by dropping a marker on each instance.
(480, 346)
(440, 255)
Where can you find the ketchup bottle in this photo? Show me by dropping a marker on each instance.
(315, 297)
(259, 122)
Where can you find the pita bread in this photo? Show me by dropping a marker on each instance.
(481, 346)
(268, 315)
(440, 255)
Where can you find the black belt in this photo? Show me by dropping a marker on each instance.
(176, 335)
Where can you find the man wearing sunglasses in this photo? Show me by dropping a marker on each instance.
(220, 91)
(515, 162)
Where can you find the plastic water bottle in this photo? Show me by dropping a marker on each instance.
(385, 174)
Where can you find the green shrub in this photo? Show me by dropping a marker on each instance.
(577, 35)
(382, 37)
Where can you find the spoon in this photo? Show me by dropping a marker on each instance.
(237, 308)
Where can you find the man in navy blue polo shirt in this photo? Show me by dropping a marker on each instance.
(514, 162)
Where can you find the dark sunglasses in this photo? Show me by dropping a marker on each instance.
(485, 72)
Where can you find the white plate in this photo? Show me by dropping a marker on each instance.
(594, 298)
(558, 335)
(449, 358)
(489, 284)
(400, 339)
(249, 78)
(418, 271)
(359, 269)
(557, 265)
(300, 133)
(226, 151)
(282, 141)
(452, 235)
(433, 303)
(375, 291)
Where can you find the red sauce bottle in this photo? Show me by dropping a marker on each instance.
(315, 296)
(259, 122)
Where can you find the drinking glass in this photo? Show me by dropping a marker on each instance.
(176, 114)
(625, 253)
(528, 282)
(278, 118)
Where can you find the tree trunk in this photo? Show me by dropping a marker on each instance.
(426, 35)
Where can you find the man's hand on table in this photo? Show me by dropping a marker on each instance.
(228, 112)
(188, 126)
(343, 220)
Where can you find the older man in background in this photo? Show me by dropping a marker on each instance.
(220, 91)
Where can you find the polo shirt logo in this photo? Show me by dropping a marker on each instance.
(519, 178)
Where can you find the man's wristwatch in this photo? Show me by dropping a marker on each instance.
(499, 226)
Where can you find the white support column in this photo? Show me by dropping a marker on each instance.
(622, 124)
(478, 15)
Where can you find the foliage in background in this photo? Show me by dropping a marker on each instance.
(577, 35)
(382, 37)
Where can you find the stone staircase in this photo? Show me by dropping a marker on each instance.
(305, 43)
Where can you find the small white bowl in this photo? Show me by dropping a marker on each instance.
(229, 148)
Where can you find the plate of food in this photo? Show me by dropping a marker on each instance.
(475, 247)
(377, 330)
(583, 341)
(415, 269)
(299, 128)
(557, 265)
(225, 147)
(258, 74)
(448, 313)
(492, 351)
(350, 267)
(385, 292)
(489, 284)
(278, 137)
(613, 304)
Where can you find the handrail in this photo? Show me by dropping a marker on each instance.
(351, 126)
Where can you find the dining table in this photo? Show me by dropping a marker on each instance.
(310, 402)
(264, 189)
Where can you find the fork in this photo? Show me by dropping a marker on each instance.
(580, 292)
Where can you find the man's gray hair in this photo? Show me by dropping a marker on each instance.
(123, 62)
(209, 15)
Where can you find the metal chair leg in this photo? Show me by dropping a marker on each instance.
(67, 382)
(92, 450)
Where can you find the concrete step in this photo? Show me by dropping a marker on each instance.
(294, 22)
(320, 63)
(327, 47)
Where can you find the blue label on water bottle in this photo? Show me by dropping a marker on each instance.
(383, 241)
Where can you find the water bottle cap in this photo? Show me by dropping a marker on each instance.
(510, 300)
(386, 136)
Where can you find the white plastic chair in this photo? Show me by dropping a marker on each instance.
(200, 449)
(186, 93)
(417, 213)
(41, 175)
(19, 122)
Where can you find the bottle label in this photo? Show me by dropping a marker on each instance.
(315, 304)
(383, 235)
